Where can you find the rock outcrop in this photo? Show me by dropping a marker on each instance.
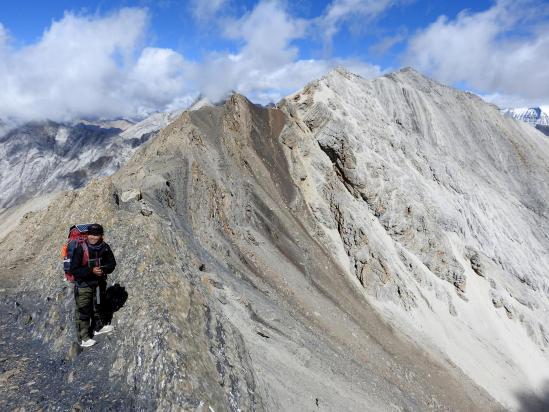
(438, 205)
(369, 245)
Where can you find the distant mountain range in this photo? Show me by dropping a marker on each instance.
(535, 116)
(40, 158)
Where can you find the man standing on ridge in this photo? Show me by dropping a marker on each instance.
(90, 283)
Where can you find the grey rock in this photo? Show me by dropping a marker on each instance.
(452, 309)
(497, 300)
(460, 282)
(73, 352)
(131, 195)
(146, 210)
(477, 265)
(77, 407)
(9, 374)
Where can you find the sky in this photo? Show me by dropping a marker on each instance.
(66, 60)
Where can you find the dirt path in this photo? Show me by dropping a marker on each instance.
(33, 378)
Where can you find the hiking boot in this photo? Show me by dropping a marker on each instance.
(87, 343)
(104, 329)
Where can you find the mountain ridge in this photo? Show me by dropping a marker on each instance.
(411, 132)
(368, 242)
(268, 293)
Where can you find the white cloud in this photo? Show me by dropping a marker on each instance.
(100, 66)
(3, 35)
(158, 77)
(267, 32)
(273, 85)
(266, 68)
(507, 101)
(344, 11)
(205, 10)
(86, 67)
(484, 51)
(388, 42)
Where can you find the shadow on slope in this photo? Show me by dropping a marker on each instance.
(116, 298)
(532, 403)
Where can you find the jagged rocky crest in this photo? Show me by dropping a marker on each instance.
(378, 243)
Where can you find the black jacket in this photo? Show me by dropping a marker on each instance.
(83, 275)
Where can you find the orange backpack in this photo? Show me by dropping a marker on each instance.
(78, 234)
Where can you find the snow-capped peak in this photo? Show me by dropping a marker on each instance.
(531, 115)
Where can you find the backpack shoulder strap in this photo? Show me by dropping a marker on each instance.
(86, 255)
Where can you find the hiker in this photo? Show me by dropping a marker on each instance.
(90, 283)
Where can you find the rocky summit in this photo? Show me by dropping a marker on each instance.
(365, 245)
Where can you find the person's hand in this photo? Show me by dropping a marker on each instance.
(97, 271)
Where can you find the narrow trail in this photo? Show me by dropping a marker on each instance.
(33, 377)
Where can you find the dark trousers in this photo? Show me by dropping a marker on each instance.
(90, 314)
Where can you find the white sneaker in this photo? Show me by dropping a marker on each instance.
(104, 329)
(88, 343)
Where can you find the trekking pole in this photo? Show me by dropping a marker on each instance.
(97, 292)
